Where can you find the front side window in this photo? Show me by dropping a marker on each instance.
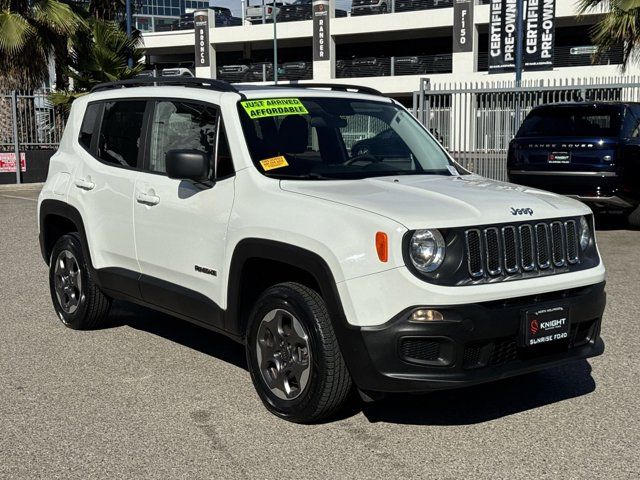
(338, 138)
(121, 132)
(181, 126)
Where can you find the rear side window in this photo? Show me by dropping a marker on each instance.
(584, 121)
(89, 124)
(120, 132)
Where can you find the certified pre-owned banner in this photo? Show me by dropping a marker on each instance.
(321, 49)
(539, 36)
(502, 36)
(201, 27)
(462, 26)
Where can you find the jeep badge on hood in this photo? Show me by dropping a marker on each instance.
(522, 211)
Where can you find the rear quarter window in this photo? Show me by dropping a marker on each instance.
(89, 124)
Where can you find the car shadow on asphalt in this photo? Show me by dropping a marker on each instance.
(178, 331)
(486, 402)
(465, 406)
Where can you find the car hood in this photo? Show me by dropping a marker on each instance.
(423, 201)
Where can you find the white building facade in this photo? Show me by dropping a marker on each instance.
(390, 51)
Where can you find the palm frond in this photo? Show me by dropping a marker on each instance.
(15, 32)
(57, 16)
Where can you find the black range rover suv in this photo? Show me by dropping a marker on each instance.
(589, 151)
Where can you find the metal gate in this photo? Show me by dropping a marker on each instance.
(28, 121)
(475, 121)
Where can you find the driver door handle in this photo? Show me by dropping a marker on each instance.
(147, 199)
(85, 184)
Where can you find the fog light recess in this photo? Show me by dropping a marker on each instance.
(423, 316)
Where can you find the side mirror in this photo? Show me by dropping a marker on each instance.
(187, 165)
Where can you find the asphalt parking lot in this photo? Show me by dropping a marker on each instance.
(153, 397)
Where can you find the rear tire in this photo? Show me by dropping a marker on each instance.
(78, 301)
(294, 359)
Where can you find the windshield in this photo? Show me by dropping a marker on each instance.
(338, 138)
(572, 122)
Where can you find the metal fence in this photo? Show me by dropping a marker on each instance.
(28, 121)
(475, 121)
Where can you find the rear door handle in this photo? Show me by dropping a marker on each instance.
(147, 199)
(85, 184)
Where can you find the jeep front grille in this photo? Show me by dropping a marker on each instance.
(495, 252)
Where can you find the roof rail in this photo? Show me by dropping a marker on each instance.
(332, 86)
(207, 83)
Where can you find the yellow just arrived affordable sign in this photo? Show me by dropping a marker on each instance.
(273, 107)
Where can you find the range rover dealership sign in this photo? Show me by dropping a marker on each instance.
(538, 35)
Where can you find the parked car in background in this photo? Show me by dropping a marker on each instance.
(589, 151)
(370, 67)
(223, 16)
(369, 7)
(177, 72)
(408, 5)
(300, 10)
(410, 65)
(297, 70)
(234, 73)
(254, 13)
(343, 68)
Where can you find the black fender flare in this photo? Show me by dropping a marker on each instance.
(64, 210)
(349, 337)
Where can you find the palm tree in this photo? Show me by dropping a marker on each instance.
(621, 26)
(99, 54)
(32, 32)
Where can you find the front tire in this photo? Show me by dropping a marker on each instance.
(78, 301)
(294, 359)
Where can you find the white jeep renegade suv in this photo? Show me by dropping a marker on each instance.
(324, 228)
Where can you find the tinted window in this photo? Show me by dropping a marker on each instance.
(225, 162)
(120, 132)
(632, 129)
(88, 125)
(179, 126)
(572, 122)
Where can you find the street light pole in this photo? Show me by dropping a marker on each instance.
(128, 13)
(275, 45)
(519, 41)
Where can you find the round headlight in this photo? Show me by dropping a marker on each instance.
(427, 250)
(585, 233)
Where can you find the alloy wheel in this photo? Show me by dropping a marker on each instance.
(67, 282)
(284, 354)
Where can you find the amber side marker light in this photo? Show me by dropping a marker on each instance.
(382, 246)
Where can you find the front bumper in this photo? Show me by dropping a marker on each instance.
(475, 343)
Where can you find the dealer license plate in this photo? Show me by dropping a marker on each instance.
(544, 326)
(559, 157)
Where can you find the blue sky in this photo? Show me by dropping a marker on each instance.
(235, 5)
